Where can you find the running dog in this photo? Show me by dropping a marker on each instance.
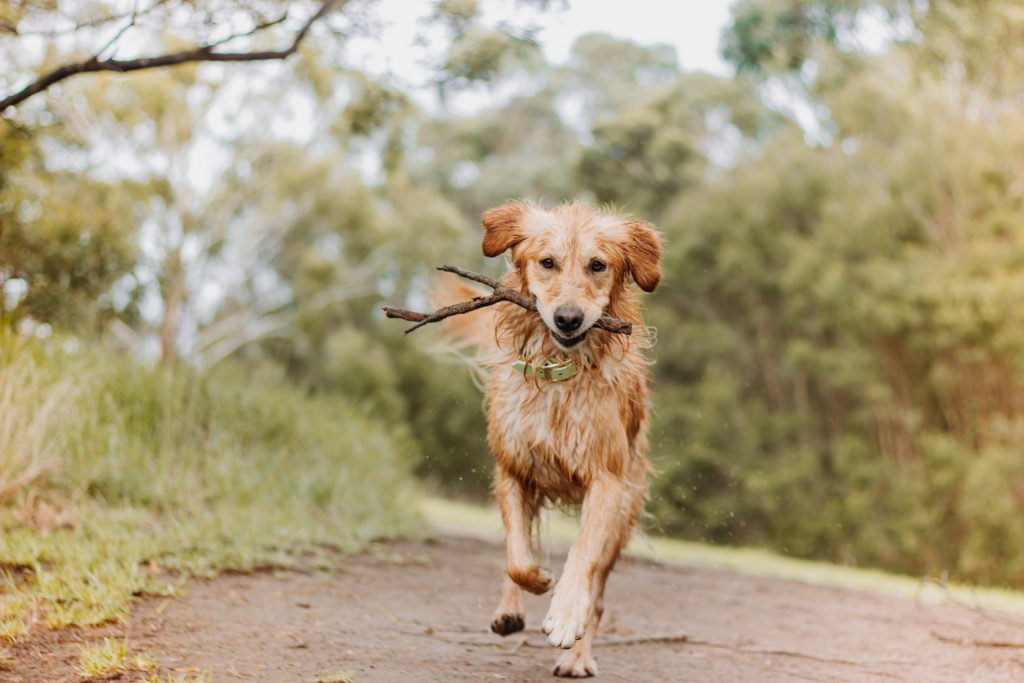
(567, 404)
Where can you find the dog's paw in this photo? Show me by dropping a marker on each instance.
(535, 579)
(574, 664)
(508, 622)
(567, 617)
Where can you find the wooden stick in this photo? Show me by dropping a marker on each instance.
(501, 293)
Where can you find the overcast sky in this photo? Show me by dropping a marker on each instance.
(693, 27)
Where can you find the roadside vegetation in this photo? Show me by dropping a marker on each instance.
(122, 480)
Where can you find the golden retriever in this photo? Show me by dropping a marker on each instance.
(567, 405)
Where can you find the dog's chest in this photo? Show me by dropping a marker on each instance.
(554, 434)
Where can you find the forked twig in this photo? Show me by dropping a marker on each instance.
(501, 293)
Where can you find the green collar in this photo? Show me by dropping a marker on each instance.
(552, 370)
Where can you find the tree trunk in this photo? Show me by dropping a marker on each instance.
(172, 289)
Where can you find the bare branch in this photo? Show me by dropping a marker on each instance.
(202, 53)
(501, 293)
(442, 313)
(116, 37)
(126, 335)
(261, 26)
(98, 21)
(257, 330)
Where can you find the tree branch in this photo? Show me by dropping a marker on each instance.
(202, 53)
(96, 22)
(501, 293)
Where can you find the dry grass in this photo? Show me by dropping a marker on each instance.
(31, 403)
(335, 677)
(179, 678)
(110, 657)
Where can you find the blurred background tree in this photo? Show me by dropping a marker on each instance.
(840, 345)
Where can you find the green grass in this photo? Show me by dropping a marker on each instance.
(562, 529)
(122, 481)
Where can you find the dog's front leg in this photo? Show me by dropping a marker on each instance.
(607, 519)
(517, 513)
(578, 662)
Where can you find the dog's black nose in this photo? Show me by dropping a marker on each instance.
(568, 318)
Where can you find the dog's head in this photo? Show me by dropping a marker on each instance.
(573, 259)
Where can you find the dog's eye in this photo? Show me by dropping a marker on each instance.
(548, 263)
(597, 266)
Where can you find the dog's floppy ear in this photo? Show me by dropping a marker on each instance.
(643, 253)
(503, 227)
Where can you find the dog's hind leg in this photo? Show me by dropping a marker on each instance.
(517, 512)
(509, 617)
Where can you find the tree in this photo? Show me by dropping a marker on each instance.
(649, 153)
(64, 239)
(206, 21)
(838, 350)
(607, 74)
(163, 120)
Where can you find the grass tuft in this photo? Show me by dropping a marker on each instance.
(31, 400)
(335, 677)
(109, 657)
(179, 678)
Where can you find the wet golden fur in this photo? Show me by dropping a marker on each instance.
(582, 441)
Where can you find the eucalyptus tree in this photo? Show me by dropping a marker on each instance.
(174, 174)
(840, 356)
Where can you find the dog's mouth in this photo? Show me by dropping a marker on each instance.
(568, 342)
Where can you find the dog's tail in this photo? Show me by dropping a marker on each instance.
(474, 329)
(469, 337)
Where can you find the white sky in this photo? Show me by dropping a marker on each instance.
(692, 27)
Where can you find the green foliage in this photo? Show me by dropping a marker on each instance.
(482, 159)
(429, 396)
(480, 54)
(611, 74)
(783, 34)
(654, 150)
(64, 239)
(73, 240)
(445, 410)
(840, 338)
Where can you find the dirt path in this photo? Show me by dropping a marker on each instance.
(420, 612)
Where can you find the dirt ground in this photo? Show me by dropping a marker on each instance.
(420, 612)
